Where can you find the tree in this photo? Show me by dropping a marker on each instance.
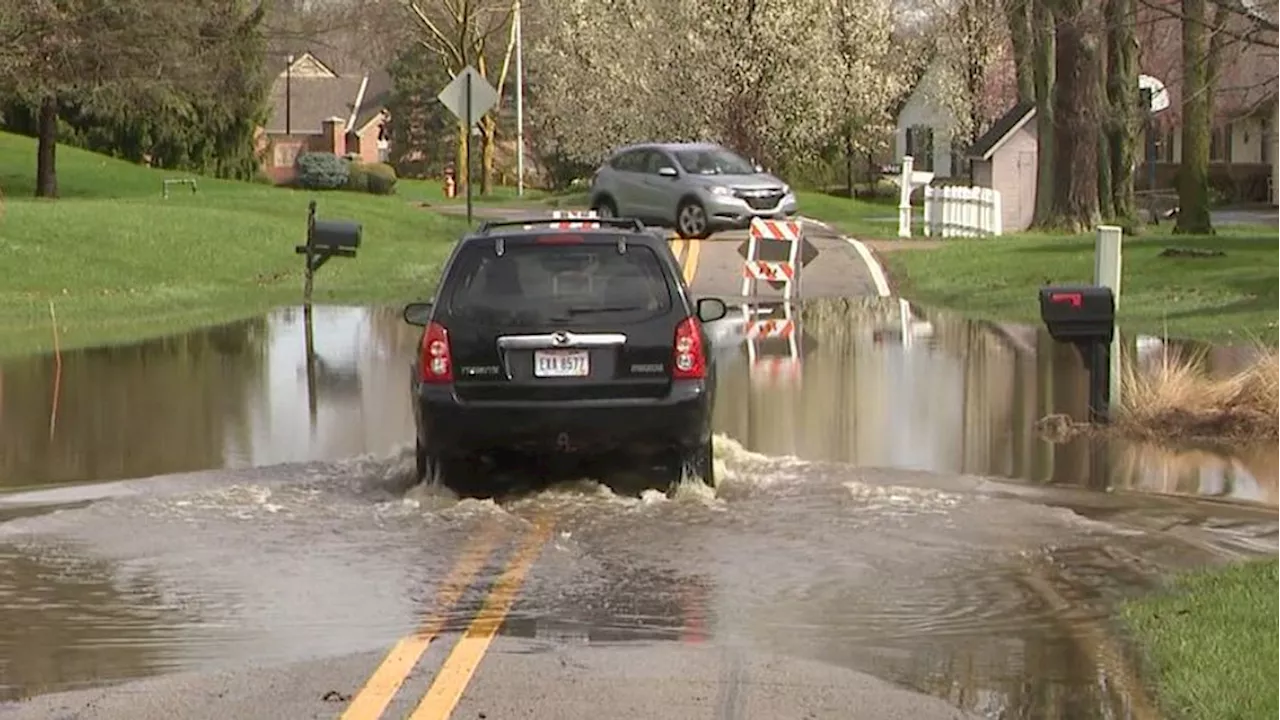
(1124, 115)
(461, 33)
(109, 54)
(422, 130)
(1077, 99)
(1197, 116)
(777, 81)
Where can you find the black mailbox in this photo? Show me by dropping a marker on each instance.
(339, 234)
(1079, 314)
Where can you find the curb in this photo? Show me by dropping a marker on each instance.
(878, 276)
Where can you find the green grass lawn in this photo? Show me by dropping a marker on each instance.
(1231, 298)
(120, 263)
(1210, 643)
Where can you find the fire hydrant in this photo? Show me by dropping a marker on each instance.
(450, 185)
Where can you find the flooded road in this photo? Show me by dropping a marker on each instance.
(947, 396)
(291, 549)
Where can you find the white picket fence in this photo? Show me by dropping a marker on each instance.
(962, 212)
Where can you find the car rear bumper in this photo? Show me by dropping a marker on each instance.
(450, 425)
(726, 213)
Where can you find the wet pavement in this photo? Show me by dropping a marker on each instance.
(855, 555)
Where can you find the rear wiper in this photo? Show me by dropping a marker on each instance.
(598, 309)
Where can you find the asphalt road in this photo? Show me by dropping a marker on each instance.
(797, 589)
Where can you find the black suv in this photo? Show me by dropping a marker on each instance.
(552, 346)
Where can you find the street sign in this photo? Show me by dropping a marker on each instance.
(777, 252)
(482, 96)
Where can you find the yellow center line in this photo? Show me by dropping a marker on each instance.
(679, 247)
(691, 263)
(455, 674)
(372, 699)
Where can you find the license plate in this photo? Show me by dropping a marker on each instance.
(561, 363)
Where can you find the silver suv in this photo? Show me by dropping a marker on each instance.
(697, 188)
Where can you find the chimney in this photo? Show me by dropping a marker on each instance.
(335, 135)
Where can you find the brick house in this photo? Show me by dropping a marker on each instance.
(315, 109)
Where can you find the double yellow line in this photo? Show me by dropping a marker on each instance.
(687, 252)
(455, 674)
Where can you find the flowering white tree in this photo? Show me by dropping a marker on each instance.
(772, 78)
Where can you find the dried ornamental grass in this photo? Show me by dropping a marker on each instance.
(1176, 400)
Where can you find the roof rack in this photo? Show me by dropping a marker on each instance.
(616, 222)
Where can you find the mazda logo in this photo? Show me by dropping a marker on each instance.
(560, 338)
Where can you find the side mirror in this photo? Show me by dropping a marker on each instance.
(667, 171)
(711, 309)
(418, 313)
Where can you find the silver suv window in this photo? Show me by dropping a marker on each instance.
(713, 161)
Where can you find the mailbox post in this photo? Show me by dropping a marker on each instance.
(1085, 316)
(325, 239)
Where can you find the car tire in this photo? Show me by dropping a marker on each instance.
(605, 208)
(701, 463)
(691, 220)
(440, 471)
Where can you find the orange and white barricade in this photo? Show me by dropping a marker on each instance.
(574, 219)
(786, 271)
(784, 369)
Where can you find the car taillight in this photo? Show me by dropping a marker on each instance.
(690, 359)
(436, 363)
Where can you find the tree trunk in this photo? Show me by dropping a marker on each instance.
(1106, 204)
(488, 145)
(1197, 106)
(1125, 114)
(1076, 99)
(849, 157)
(47, 149)
(1043, 73)
(1018, 15)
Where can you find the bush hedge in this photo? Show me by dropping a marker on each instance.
(326, 171)
(321, 171)
(376, 178)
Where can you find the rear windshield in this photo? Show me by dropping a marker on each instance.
(538, 284)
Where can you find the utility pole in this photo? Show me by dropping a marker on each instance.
(519, 102)
(288, 95)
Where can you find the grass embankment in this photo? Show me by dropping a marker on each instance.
(1209, 642)
(121, 263)
(1227, 292)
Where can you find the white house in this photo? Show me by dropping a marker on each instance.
(923, 128)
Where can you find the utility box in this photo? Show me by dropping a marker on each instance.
(1081, 314)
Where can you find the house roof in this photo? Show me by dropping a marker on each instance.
(311, 101)
(1009, 123)
(376, 98)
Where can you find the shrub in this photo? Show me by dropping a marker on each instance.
(381, 178)
(358, 178)
(322, 171)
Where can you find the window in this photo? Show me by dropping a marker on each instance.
(532, 284)
(961, 163)
(630, 161)
(920, 147)
(1220, 144)
(1168, 142)
(284, 154)
(713, 161)
(1265, 149)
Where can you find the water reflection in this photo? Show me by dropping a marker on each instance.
(887, 385)
(70, 622)
(878, 384)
